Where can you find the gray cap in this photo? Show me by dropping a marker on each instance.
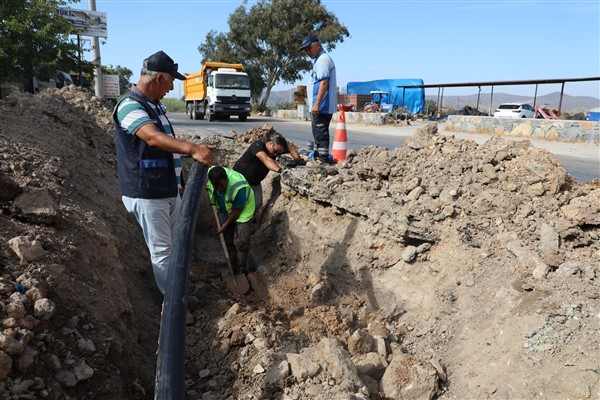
(308, 41)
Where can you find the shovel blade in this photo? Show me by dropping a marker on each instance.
(236, 284)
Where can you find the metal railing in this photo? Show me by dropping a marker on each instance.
(535, 82)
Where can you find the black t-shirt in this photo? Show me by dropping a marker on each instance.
(251, 166)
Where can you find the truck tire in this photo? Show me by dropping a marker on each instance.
(194, 113)
(210, 116)
(189, 109)
(243, 117)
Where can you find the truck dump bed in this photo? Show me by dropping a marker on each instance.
(194, 87)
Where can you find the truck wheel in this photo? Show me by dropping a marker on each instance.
(188, 110)
(210, 116)
(194, 113)
(243, 117)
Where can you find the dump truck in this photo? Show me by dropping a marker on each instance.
(219, 90)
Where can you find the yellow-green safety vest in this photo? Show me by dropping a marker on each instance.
(236, 182)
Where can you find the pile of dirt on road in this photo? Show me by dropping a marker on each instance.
(443, 269)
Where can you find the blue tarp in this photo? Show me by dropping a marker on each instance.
(593, 114)
(414, 99)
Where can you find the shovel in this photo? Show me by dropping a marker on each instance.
(236, 284)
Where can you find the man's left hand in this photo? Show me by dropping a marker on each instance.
(203, 153)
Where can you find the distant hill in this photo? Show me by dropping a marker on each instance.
(570, 104)
(283, 96)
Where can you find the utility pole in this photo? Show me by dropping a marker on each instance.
(99, 78)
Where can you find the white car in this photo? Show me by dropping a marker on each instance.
(514, 110)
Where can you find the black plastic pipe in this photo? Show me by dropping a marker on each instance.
(170, 364)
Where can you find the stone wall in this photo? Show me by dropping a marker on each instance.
(585, 131)
(351, 117)
(582, 131)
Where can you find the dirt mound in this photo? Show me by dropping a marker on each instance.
(443, 269)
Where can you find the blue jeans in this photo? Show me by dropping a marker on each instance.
(158, 218)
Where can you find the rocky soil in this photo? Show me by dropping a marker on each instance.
(441, 270)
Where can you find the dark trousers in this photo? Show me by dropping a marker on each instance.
(320, 130)
(237, 238)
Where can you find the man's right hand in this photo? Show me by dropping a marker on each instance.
(299, 162)
(203, 153)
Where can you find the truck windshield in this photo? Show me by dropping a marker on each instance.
(228, 81)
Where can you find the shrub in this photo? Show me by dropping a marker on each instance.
(285, 106)
(174, 105)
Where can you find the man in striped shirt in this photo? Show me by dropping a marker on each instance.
(148, 159)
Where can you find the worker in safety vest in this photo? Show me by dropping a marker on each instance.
(229, 191)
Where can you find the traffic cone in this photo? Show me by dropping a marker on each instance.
(340, 141)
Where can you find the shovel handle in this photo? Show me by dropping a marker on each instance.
(214, 208)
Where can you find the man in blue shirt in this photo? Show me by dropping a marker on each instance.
(324, 95)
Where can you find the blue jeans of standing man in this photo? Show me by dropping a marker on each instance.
(158, 218)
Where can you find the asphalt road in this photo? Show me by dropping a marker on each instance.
(581, 160)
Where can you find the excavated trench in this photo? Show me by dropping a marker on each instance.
(427, 266)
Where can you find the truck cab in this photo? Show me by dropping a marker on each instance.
(228, 94)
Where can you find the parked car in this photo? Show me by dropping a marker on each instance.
(514, 110)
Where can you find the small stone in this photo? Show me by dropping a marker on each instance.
(204, 373)
(44, 309)
(258, 369)
(66, 378)
(409, 253)
(24, 362)
(83, 371)
(27, 249)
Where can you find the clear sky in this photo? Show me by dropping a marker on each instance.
(438, 41)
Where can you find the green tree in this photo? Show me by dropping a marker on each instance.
(266, 40)
(124, 76)
(430, 107)
(34, 42)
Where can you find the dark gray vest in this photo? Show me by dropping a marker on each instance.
(145, 172)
